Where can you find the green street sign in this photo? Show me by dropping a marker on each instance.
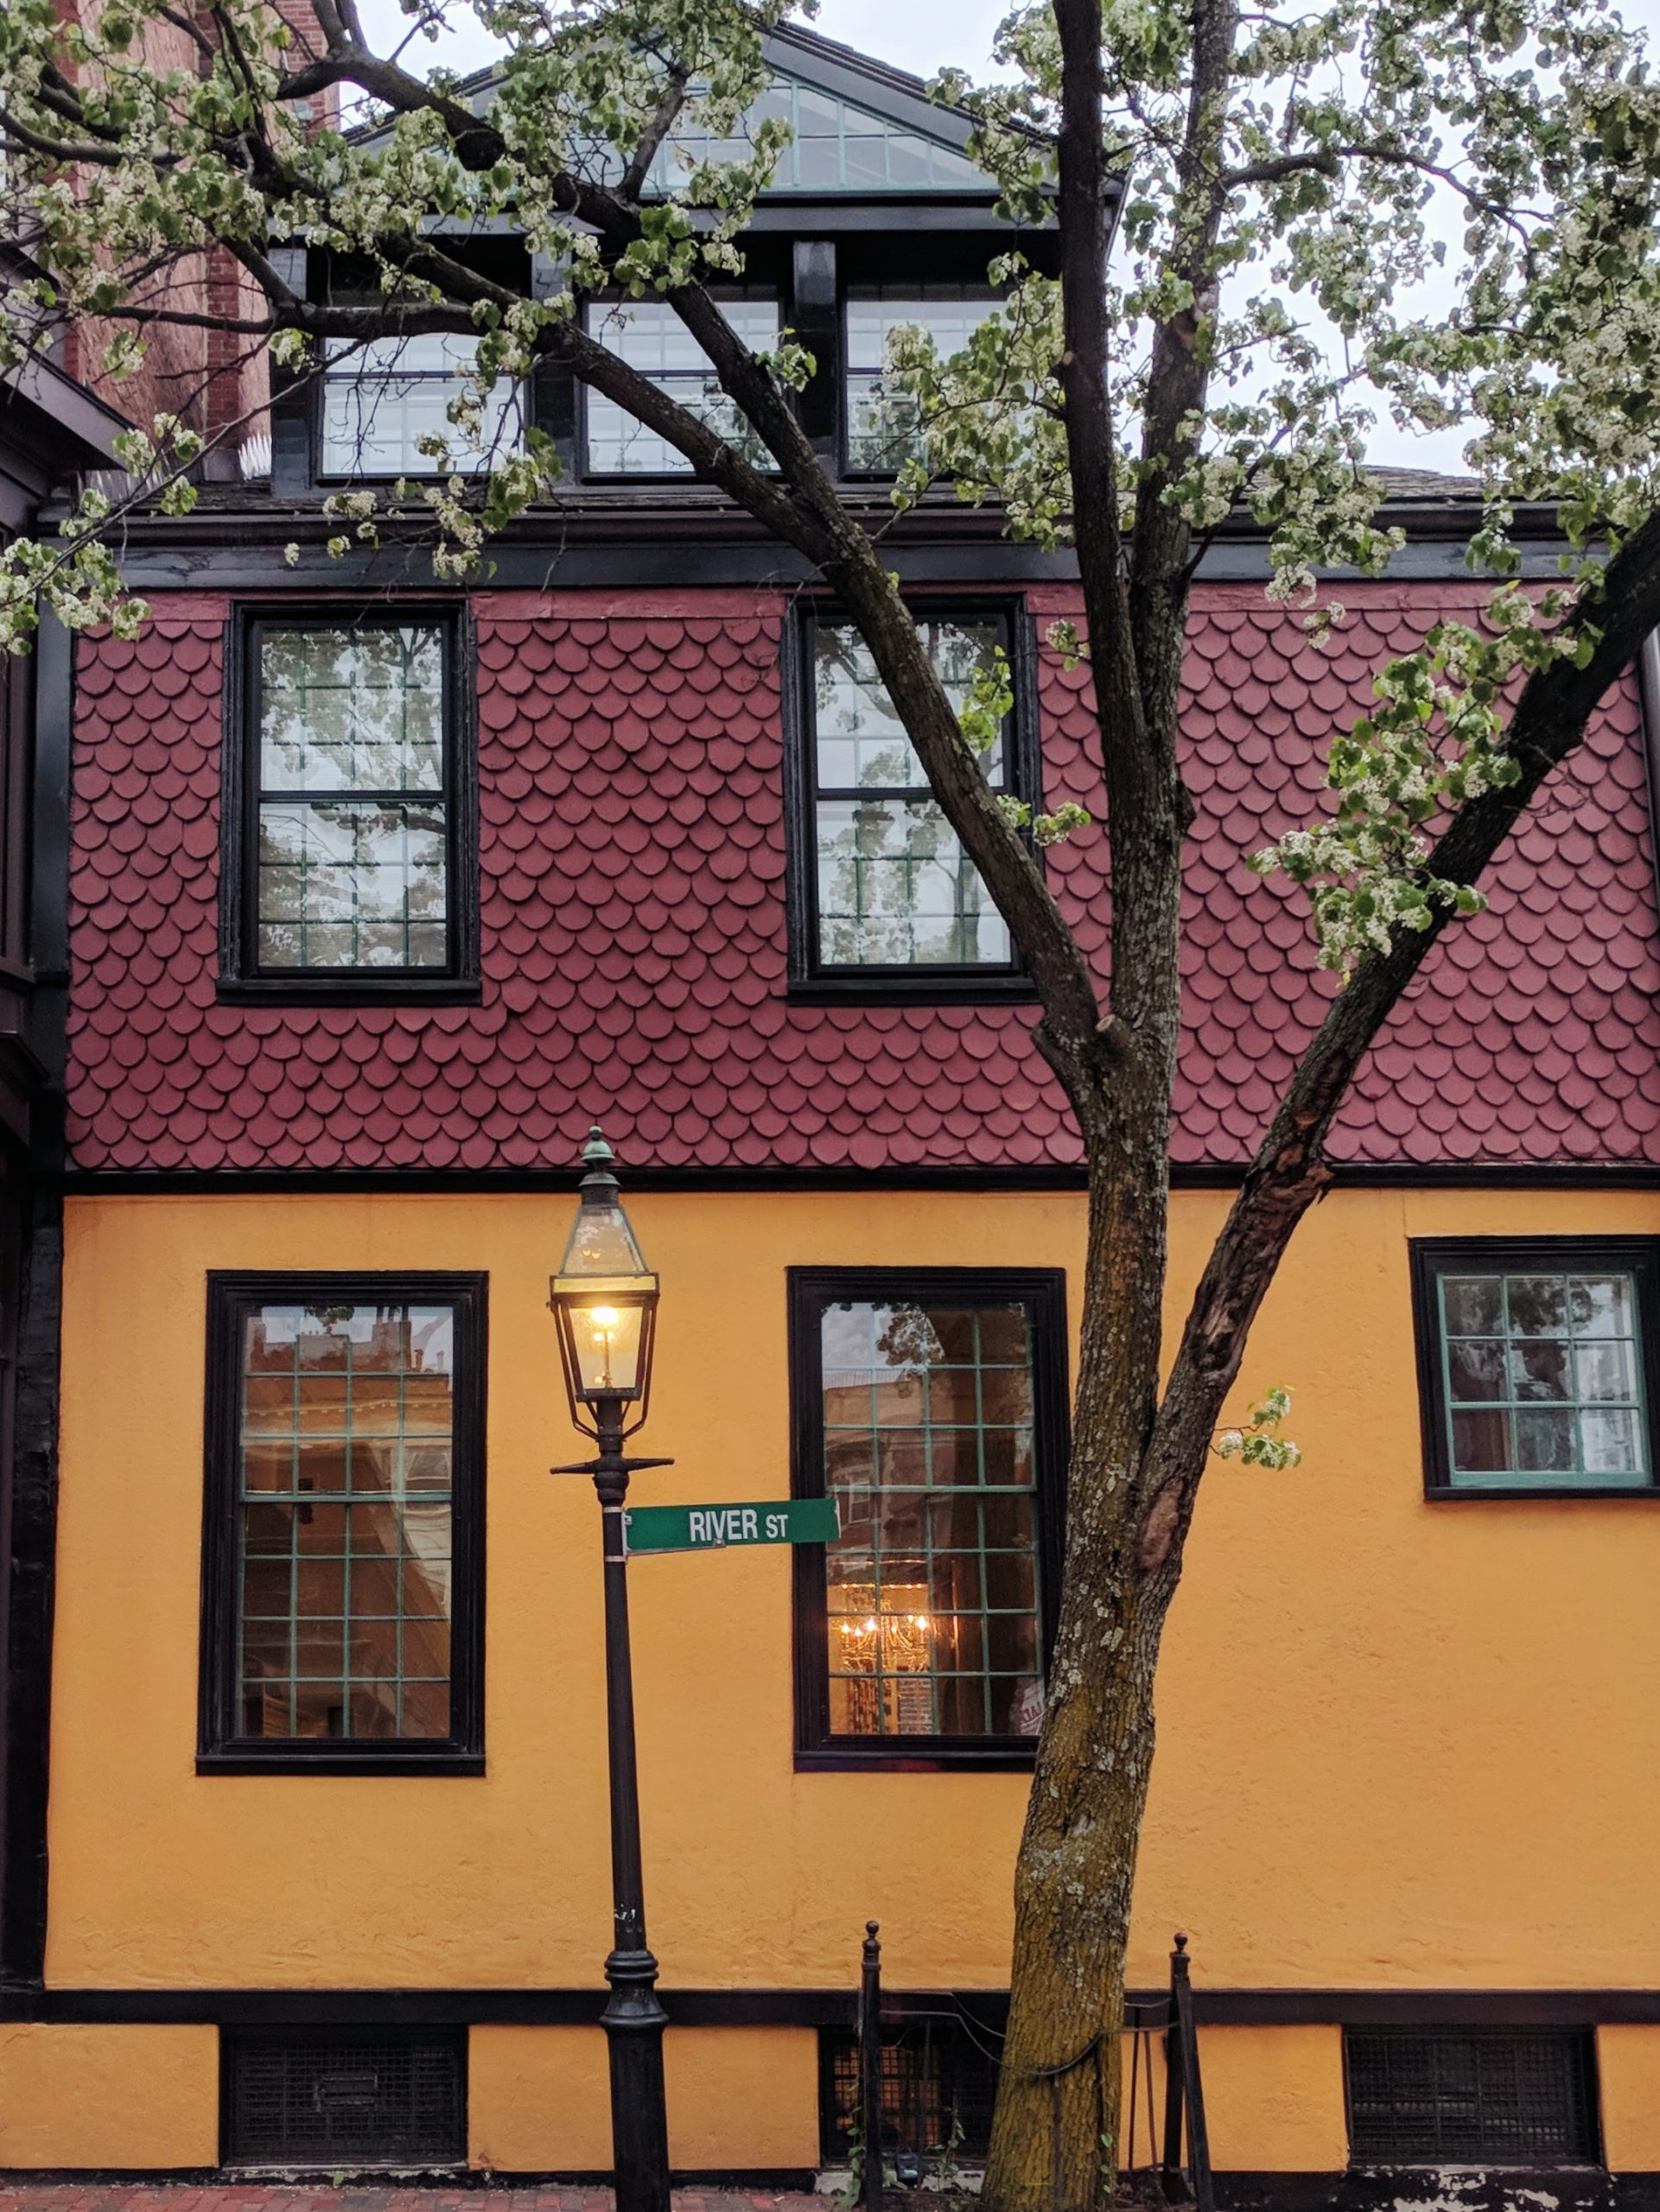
(712, 1527)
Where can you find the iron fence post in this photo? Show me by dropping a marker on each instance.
(870, 2067)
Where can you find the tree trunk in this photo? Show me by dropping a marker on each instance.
(1055, 2135)
(1055, 2143)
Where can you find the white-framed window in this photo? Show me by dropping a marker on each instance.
(382, 398)
(650, 336)
(881, 422)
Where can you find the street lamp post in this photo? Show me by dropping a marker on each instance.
(604, 1302)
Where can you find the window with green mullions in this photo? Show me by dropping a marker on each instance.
(1542, 1379)
(345, 1514)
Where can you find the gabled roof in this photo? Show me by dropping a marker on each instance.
(860, 127)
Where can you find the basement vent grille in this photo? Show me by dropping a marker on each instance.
(345, 2098)
(1469, 2097)
(939, 2083)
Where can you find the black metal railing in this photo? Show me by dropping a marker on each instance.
(918, 2084)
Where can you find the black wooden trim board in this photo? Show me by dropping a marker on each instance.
(1190, 1175)
(815, 2008)
(30, 1516)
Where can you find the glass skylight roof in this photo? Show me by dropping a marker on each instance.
(838, 148)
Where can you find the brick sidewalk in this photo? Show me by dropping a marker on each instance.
(263, 2196)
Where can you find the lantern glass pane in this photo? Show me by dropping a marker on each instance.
(602, 1243)
(607, 1340)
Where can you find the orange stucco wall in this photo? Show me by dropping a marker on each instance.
(1400, 1743)
(78, 2095)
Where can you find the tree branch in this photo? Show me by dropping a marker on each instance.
(668, 108)
(1289, 1173)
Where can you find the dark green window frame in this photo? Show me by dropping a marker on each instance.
(1445, 1402)
(222, 1745)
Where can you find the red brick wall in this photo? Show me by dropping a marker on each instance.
(634, 949)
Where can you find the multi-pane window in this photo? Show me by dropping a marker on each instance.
(344, 1476)
(349, 761)
(386, 402)
(833, 147)
(882, 418)
(891, 888)
(650, 336)
(1537, 1365)
(927, 1410)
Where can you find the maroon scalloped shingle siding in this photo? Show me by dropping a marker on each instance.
(633, 928)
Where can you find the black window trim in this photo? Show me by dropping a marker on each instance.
(239, 977)
(1433, 1256)
(811, 978)
(220, 1748)
(1043, 1292)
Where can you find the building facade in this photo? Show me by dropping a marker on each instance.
(375, 896)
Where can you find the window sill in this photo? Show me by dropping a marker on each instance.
(937, 1758)
(354, 990)
(1450, 1494)
(886, 987)
(390, 1758)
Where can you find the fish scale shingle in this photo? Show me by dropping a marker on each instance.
(635, 964)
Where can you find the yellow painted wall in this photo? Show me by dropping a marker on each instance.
(769, 2075)
(1274, 2098)
(108, 2096)
(1628, 2068)
(1400, 1743)
(538, 2099)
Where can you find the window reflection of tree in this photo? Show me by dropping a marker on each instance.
(879, 832)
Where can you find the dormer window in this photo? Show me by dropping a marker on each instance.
(380, 399)
(881, 422)
(650, 336)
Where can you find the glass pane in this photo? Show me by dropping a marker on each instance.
(345, 1592)
(1601, 1305)
(1605, 1370)
(882, 418)
(896, 890)
(1474, 1304)
(1539, 1370)
(1481, 1443)
(931, 1590)
(1476, 1368)
(1610, 1443)
(1545, 1443)
(1555, 1358)
(357, 884)
(650, 336)
(382, 399)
